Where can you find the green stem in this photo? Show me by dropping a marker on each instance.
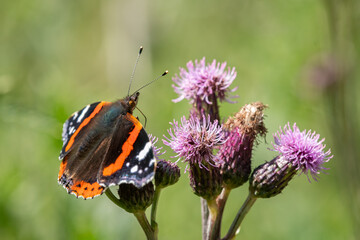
(151, 234)
(245, 208)
(154, 209)
(144, 223)
(112, 197)
(211, 230)
(221, 201)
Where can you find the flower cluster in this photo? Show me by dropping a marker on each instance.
(219, 156)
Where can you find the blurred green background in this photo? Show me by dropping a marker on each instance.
(299, 57)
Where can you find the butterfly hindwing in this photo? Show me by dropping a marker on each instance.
(78, 173)
(130, 159)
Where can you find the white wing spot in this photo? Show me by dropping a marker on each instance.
(140, 171)
(142, 154)
(83, 112)
(134, 169)
(75, 115)
(71, 130)
(127, 164)
(152, 161)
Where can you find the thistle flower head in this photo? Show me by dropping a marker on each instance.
(201, 82)
(194, 140)
(303, 149)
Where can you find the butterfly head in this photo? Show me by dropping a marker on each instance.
(133, 100)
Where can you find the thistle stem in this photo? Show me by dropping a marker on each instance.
(245, 208)
(151, 234)
(214, 109)
(112, 197)
(212, 221)
(154, 209)
(144, 223)
(221, 201)
(204, 218)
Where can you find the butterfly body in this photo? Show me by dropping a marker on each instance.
(105, 145)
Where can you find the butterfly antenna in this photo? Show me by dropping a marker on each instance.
(143, 115)
(166, 72)
(133, 73)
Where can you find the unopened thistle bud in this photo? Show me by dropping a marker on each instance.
(167, 173)
(135, 199)
(270, 178)
(242, 130)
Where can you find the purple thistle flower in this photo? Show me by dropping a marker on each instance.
(194, 140)
(303, 149)
(202, 82)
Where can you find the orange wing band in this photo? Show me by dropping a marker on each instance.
(126, 148)
(84, 123)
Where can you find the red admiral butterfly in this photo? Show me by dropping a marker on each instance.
(105, 145)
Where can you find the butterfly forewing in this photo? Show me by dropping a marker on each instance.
(76, 123)
(84, 149)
